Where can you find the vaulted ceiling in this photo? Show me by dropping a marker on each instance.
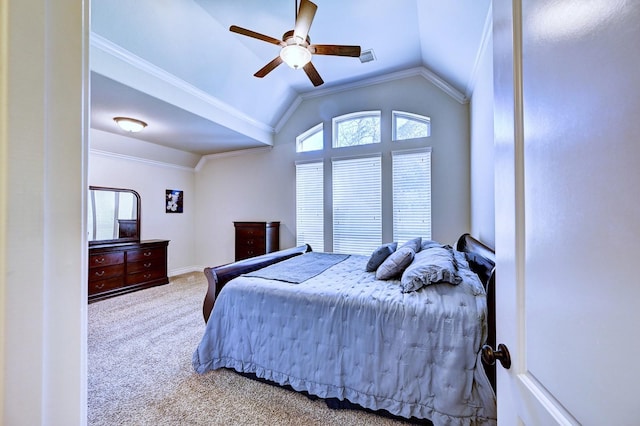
(175, 65)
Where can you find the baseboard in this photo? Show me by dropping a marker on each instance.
(185, 270)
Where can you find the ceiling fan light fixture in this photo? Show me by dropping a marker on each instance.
(130, 124)
(295, 55)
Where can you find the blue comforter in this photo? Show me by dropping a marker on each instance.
(343, 334)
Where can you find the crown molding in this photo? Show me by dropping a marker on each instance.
(394, 76)
(237, 153)
(288, 113)
(124, 55)
(443, 85)
(140, 160)
(486, 39)
(118, 52)
(385, 78)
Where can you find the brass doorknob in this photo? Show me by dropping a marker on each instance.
(489, 356)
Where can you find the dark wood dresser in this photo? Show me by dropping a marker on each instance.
(120, 268)
(256, 238)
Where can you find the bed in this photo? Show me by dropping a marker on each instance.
(406, 341)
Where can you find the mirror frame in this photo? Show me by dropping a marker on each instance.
(138, 219)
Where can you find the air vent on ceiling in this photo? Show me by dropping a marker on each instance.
(367, 56)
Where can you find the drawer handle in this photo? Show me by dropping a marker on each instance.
(99, 273)
(147, 276)
(147, 265)
(99, 286)
(99, 260)
(146, 253)
(250, 242)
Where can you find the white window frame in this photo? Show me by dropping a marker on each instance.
(301, 138)
(357, 221)
(409, 116)
(310, 204)
(411, 215)
(384, 149)
(336, 121)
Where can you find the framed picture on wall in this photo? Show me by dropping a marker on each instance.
(174, 201)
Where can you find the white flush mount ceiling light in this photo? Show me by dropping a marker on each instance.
(130, 124)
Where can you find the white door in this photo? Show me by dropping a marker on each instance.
(567, 107)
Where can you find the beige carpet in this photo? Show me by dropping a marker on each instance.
(140, 373)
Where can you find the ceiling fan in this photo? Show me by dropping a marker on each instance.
(297, 49)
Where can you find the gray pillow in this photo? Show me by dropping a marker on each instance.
(379, 255)
(415, 244)
(433, 265)
(395, 263)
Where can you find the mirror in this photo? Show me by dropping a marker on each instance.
(113, 215)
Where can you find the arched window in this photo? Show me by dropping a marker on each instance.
(346, 191)
(311, 140)
(410, 126)
(358, 128)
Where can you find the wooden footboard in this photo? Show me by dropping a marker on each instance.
(487, 273)
(218, 276)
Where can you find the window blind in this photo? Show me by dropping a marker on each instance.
(357, 205)
(310, 205)
(411, 195)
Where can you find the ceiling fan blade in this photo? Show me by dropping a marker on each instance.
(313, 75)
(336, 50)
(269, 67)
(249, 33)
(304, 19)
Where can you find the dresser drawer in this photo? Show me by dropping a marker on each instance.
(103, 272)
(251, 243)
(145, 254)
(105, 259)
(116, 269)
(249, 232)
(100, 286)
(245, 252)
(144, 276)
(146, 265)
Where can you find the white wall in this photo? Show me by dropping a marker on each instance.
(482, 149)
(151, 180)
(260, 185)
(43, 259)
